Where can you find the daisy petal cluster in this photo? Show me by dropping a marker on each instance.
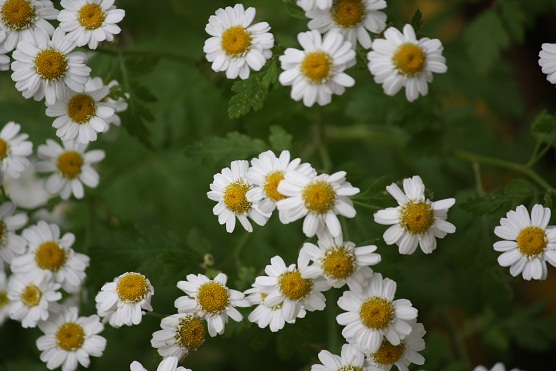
(547, 61)
(168, 364)
(351, 358)
(499, 366)
(14, 150)
(314, 4)
(181, 333)
(11, 244)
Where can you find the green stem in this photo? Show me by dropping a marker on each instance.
(4, 194)
(478, 180)
(364, 205)
(333, 338)
(539, 155)
(156, 314)
(459, 344)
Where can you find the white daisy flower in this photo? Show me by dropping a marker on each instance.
(351, 359)
(401, 355)
(352, 18)
(235, 46)
(417, 220)
(292, 287)
(70, 340)
(25, 20)
(400, 60)
(180, 334)
(211, 300)
(497, 367)
(44, 68)
(314, 4)
(32, 301)
(119, 105)
(318, 199)
(50, 256)
(229, 188)
(168, 364)
(70, 167)
(547, 61)
(528, 242)
(373, 313)
(317, 71)
(4, 301)
(14, 150)
(11, 245)
(89, 22)
(4, 59)
(266, 172)
(81, 115)
(125, 300)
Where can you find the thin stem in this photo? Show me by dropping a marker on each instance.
(539, 155)
(459, 344)
(156, 314)
(4, 194)
(478, 180)
(365, 205)
(332, 329)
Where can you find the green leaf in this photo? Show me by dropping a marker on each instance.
(279, 139)
(514, 18)
(544, 123)
(143, 64)
(376, 195)
(134, 120)
(294, 10)
(142, 92)
(417, 20)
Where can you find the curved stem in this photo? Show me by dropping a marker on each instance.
(365, 205)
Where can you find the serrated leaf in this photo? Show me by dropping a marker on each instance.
(294, 10)
(271, 76)
(134, 121)
(143, 64)
(544, 123)
(142, 92)
(417, 20)
(279, 139)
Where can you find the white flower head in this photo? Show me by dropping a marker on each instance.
(125, 300)
(372, 314)
(4, 59)
(547, 61)
(528, 242)
(4, 300)
(168, 364)
(11, 245)
(352, 18)
(400, 60)
(417, 220)
(47, 68)
(89, 22)
(70, 166)
(236, 46)
(266, 172)
(351, 359)
(229, 188)
(317, 199)
(118, 105)
(497, 367)
(14, 150)
(181, 333)
(211, 300)
(50, 255)
(314, 4)
(317, 72)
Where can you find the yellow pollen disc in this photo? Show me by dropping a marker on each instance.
(4, 148)
(350, 368)
(70, 336)
(31, 296)
(338, 262)
(531, 241)
(191, 333)
(132, 287)
(409, 59)
(319, 197)
(236, 41)
(69, 164)
(91, 16)
(18, 14)
(293, 286)
(317, 67)
(81, 108)
(50, 256)
(388, 354)
(234, 197)
(213, 297)
(417, 217)
(4, 299)
(271, 186)
(51, 64)
(376, 313)
(348, 13)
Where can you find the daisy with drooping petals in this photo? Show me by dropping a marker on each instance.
(317, 72)
(4, 301)
(314, 4)
(89, 22)
(351, 359)
(400, 60)
(528, 242)
(44, 68)
(11, 245)
(266, 172)
(497, 367)
(352, 18)
(70, 340)
(70, 167)
(14, 150)
(168, 364)
(229, 188)
(235, 46)
(211, 300)
(372, 314)
(318, 199)
(125, 300)
(547, 61)
(180, 334)
(417, 220)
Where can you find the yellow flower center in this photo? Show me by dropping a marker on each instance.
(293, 286)
(213, 297)
(191, 333)
(4, 301)
(70, 336)
(132, 287)
(376, 313)
(81, 108)
(348, 13)
(409, 59)
(338, 262)
(50, 256)
(4, 148)
(531, 241)
(388, 354)
(271, 186)
(236, 41)
(234, 197)
(350, 368)
(317, 67)
(417, 217)
(18, 14)
(91, 16)
(319, 197)
(69, 164)
(31, 296)
(51, 64)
